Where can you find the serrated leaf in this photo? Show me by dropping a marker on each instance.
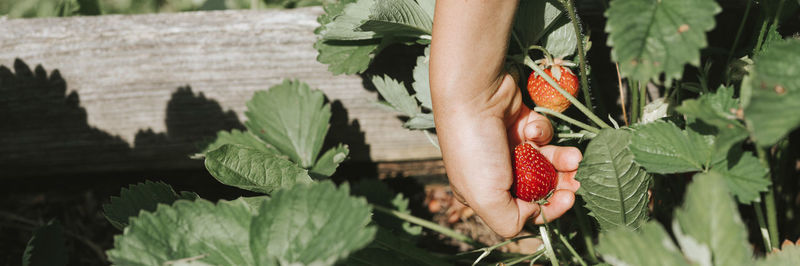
(711, 217)
(718, 110)
(241, 138)
(772, 110)
(650, 246)
(314, 224)
(421, 83)
(346, 57)
(744, 174)
(613, 186)
(291, 117)
(398, 18)
(195, 231)
(47, 246)
(253, 170)
(653, 37)
(396, 95)
(330, 160)
(332, 9)
(140, 197)
(661, 147)
(544, 22)
(420, 121)
(654, 110)
(789, 255)
(344, 26)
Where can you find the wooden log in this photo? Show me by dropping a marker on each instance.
(137, 92)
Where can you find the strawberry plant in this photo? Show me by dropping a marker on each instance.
(691, 161)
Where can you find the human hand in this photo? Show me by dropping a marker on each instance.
(476, 145)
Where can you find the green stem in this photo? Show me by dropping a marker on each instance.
(487, 250)
(575, 135)
(428, 224)
(632, 85)
(736, 39)
(642, 98)
(533, 257)
(529, 62)
(547, 54)
(568, 119)
(777, 13)
(586, 232)
(760, 39)
(762, 226)
(570, 248)
(547, 245)
(769, 200)
(587, 97)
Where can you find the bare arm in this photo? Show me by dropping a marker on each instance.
(479, 114)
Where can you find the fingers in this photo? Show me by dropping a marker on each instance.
(558, 204)
(538, 129)
(564, 158)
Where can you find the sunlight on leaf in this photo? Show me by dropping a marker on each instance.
(253, 170)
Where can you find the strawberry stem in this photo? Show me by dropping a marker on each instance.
(570, 248)
(546, 239)
(529, 62)
(487, 250)
(581, 53)
(568, 119)
(428, 224)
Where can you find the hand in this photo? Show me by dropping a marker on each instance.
(476, 146)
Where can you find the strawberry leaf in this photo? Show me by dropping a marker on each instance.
(47, 246)
(718, 110)
(788, 255)
(140, 197)
(244, 138)
(346, 57)
(711, 217)
(744, 175)
(613, 186)
(653, 37)
(314, 224)
(291, 117)
(545, 23)
(661, 147)
(396, 95)
(253, 170)
(330, 160)
(650, 246)
(774, 93)
(421, 83)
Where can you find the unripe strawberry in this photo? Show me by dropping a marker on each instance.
(534, 175)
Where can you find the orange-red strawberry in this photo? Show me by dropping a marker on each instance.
(548, 97)
(534, 175)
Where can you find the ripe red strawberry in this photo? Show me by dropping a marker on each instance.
(548, 97)
(534, 175)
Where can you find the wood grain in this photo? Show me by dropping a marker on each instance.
(138, 92)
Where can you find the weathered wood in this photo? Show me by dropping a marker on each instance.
(137, 92)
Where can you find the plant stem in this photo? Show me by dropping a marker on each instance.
(488, 250)
(621, 96)
(586, 232)
(568, 119)
(570, 248)
(761, 33)
(762, 226)
(769, 200)
(529, 62)
(547, 245)
(642, 98)
(428, 224)
(575, 135)
(632, 85)
(587, 97)
(777, 13)
(532, 257)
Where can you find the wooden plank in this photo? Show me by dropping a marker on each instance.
(137, 92)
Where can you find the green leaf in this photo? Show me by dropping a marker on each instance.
(398, 18)
(718, 110)
(772, 110)
(241, 138)
(344, 26)
(332, 9)
(613, 186)
(789, 255)
(253, 170)
(187, 231)
(291, 117)
(711, 218)
(427, 6)
(745, 176)
(661, 147)
(380, 194)
(651, 37)
(420, 121)
(421, 80)
(544, 22)
(650, 246)
(314, 224)
(396, 95)
(140, 197)
(330, 160)
(346, 57)
(47, 246)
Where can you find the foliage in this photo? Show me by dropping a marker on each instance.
(46, 246)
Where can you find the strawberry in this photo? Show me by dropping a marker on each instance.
(545, 95)
(534, 175)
